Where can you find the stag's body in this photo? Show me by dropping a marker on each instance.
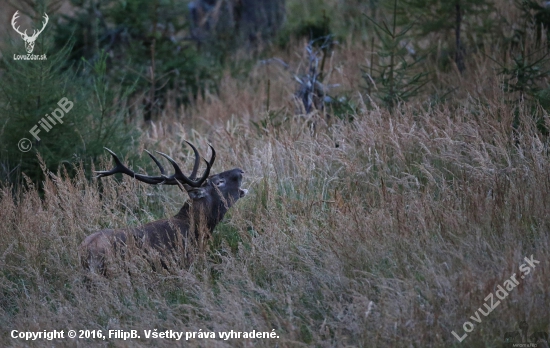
(211, 197)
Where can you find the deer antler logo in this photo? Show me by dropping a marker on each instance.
(29, 40)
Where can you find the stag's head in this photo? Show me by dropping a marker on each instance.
(210, 195)
(219, 192)
(29, 40)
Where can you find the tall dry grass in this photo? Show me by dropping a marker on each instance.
(386, 231)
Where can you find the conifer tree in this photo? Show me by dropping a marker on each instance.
(64, 117)
(454, 23)
(394, 74)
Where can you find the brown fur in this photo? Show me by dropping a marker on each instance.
(196, 218)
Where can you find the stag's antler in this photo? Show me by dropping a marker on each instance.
(13, 23)
(176, 179)
(43, 25)
(24, 34)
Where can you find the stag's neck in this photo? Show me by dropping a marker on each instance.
(184, 213)
(189, 213)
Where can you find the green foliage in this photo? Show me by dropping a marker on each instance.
(225, 233)
(273, 120)
(524, 79)
(143, 41)
(453, 27)
(343, 108)
(435, 16)
(525, 73)
(33, 91)
(393, 75)
(108, 104)
(525, 76)
(313, 19)
(533, 12)
(221, 27)
(313, 28)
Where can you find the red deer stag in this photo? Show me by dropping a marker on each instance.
(211, 197)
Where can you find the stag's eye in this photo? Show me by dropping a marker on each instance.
(219, 182)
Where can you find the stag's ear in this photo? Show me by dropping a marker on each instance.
(197, 193)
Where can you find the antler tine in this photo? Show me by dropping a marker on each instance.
(175, 179)
(193, 175)
(121, 168)
(14, 23)
(162, 171)
(208, 167)
(178, 175)
(43, 25)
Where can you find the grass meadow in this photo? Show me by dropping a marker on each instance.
(389, 230)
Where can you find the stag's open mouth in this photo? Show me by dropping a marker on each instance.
(242, 192)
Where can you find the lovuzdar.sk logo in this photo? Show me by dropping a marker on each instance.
(29, 40)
